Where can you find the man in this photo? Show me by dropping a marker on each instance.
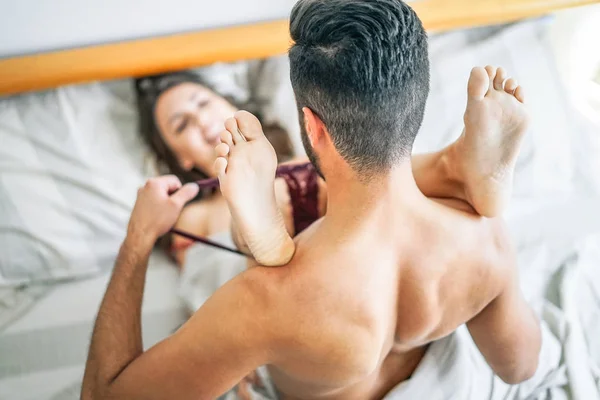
(383, 274)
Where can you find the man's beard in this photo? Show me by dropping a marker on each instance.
(310, 153)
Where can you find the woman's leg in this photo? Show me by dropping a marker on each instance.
(246, 165)
(478, 168)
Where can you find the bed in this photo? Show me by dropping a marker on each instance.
(257, 40)
(45, 321)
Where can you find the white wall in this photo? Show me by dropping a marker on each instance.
(30, 26)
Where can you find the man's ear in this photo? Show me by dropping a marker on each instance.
(315, 128)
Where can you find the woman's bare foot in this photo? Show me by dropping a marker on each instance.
(486, 152)
(246, 166)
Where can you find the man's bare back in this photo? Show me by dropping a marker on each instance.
(385, 272)
(388, 271)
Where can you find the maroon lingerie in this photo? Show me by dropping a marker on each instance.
(302, 181)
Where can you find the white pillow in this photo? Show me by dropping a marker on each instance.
(71, 161)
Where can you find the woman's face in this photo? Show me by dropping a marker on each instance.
(190, 118)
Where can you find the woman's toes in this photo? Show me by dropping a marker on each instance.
(500, 78)
(232, 126)
(226, 137)
(478, 83)
(222, 150)
(220, 166)
(491, 72)
(510, 86)
(520, 94)
(249, 125)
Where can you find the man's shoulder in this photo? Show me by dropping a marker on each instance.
(267, 290)
(481, 246)
(247, 304)
(257, 286)
(486, 240)
(492, 255)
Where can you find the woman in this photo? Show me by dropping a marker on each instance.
(181, 118)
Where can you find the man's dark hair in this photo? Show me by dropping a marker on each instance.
(362, 66)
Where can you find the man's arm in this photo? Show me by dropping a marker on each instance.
(207, 356)
(507, 331)
(117, 336)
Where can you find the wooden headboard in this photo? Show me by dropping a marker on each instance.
(149, 56)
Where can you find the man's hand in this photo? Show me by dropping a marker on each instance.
(117, 338)
(158, 206)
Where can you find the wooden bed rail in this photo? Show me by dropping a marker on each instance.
(181, 51)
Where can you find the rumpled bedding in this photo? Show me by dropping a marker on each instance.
(554, 219)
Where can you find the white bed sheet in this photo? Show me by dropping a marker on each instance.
(43, 353)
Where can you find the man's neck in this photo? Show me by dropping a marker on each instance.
(349, 196)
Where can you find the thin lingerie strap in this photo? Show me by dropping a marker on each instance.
(298, 193)
(207, 242)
